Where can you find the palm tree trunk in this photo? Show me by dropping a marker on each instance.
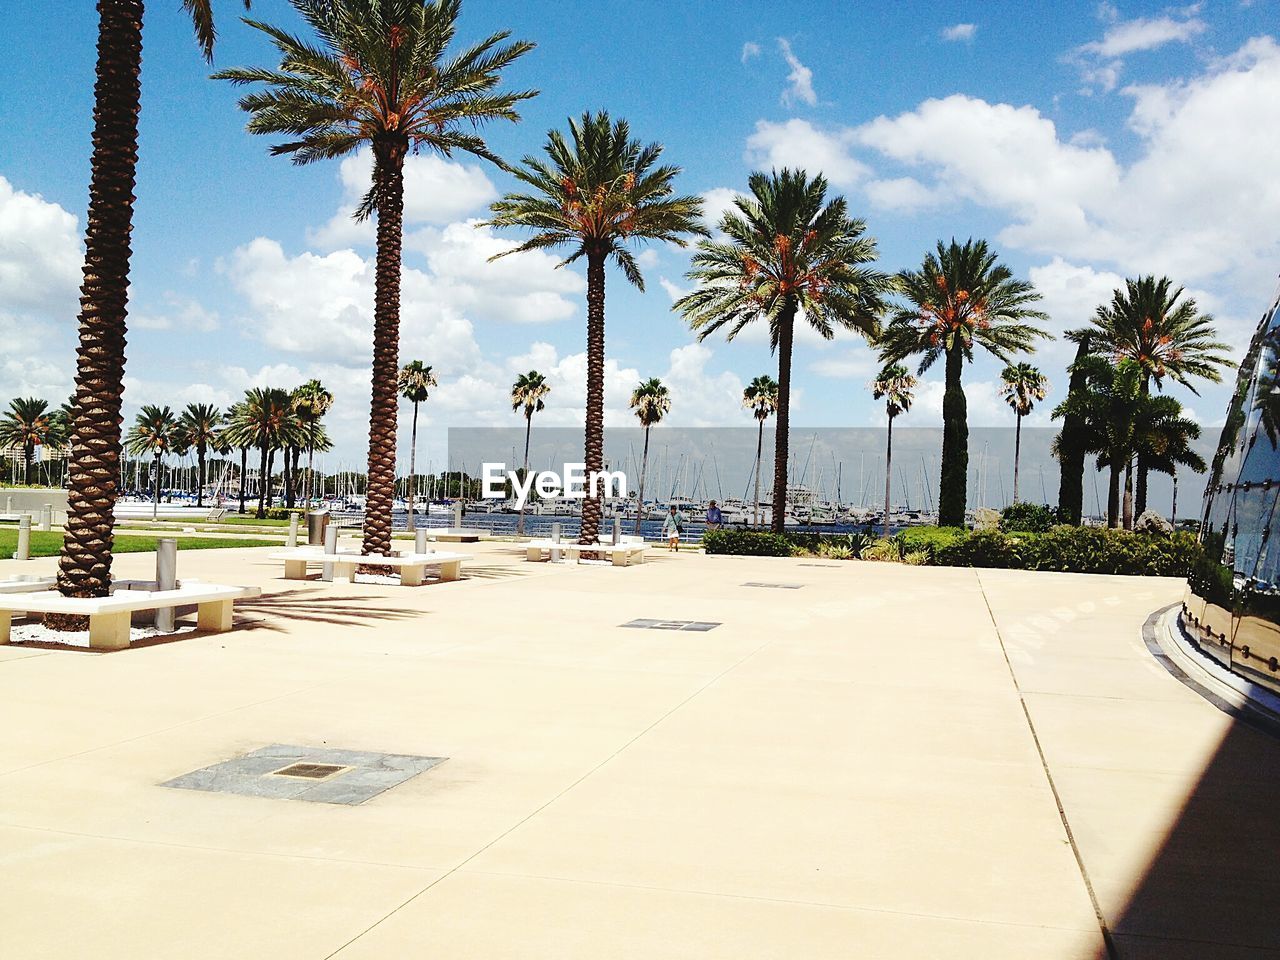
(84, 569)
(262, 483)
(644, 469)
(1128, 493)
(380, 484)
(1071, 451)
(311, 463)
(888, 472)
(1017, 455)
(593, 446)
(201, 450)
(28, 453)
(244, 470)
(528, 429)
(155, 488)
(786, 331)
(1173, 513)
(1113, 494)
(413, 466)
(759, 460)
(1140, 507)
(953, 485)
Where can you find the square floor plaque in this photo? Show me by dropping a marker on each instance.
(319, 774)
(697, 625)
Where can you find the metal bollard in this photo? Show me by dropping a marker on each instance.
(293, 531)
(330, 546)
(8, 506)
(46, 517)
(420, 540)
(555, 538)
(166, 579)
(457, 514)
(24, 538)
(617, 530)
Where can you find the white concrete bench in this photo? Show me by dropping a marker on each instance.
(621, 553)
(26, 584)
(109, 616)
(412, 566)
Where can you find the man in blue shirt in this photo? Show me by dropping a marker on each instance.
(714, 516)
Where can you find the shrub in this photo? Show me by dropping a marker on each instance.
(283, 513)
(885, 549)
(982, 548)
(748, 543)
(917, 558)
(835, 551)
(929, 539)
(1027, 517)
(1076, 550)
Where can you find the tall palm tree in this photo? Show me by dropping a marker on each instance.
(235, 435)
(312, 401)
(894, 385)
(28, 424)
(960, 297)
(761, 398)
(415, 382)
(650, 401)
(155, 432)
(788, 251)
(381, 76)
(1069, 446)
(1155, 324)
(200, 424)
(262, 421)
(597, 192)
(93, 470)
(1108, 409)
(528, 392)
(1022, 387)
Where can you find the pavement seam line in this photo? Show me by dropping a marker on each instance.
(1108, 940)
(523, 820)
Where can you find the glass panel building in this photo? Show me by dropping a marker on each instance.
(1232, 609)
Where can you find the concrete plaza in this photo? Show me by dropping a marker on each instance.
(886, 762)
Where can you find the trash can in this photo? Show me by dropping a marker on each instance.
(317, 523)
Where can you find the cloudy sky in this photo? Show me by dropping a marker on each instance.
(1094, 143)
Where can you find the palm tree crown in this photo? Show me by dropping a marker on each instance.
(155, 432)
(1153, 324)
(896, 387)
(199, 424)
(28, 423)
(1022, 387)
(528, 392)
(595, 193)
(760, 396)
(416, 381)
(651, 401)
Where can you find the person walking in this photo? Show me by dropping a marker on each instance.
(672, 527)
(714, 517)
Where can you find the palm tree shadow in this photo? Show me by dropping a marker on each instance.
(315, 606)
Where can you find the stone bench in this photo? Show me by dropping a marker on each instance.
(26, 584)
(109, 617)
(412, 566)
(621, 553)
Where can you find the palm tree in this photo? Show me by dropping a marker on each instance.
(596, 193)
(1154, 324)
(761, 398)
(651, 401)
(788, 252)
(527, 392)
(894, 385)
(312, 401)
(1069, 446)
(414, 382)
(28, 424)
(960, 297)
(262, 421)
(93, 470)
(1022, 387)
(234, 435)
(154, 433)
(200, 425)
(381, 77)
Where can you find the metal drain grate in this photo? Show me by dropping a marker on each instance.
(698, 625)
(310, 771)
(776, 586)
(829, 566)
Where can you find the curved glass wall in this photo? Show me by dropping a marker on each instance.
(1232, 608)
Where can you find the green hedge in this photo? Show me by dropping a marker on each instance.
(750, 543)
(1076, 550)
(1027, 518)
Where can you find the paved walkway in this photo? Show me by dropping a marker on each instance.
(887, 762)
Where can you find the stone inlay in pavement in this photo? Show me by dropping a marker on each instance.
(699, 625)
(319, 774)
(775, 586)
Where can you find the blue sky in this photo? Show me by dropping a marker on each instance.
(1093, 143)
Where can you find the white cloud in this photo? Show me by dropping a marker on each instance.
(750, 50)
(960, 32)
(179, 313)
(902, 194)
(986, 407)
(799, 144)
(673, 290)
(847, 364)
(436, 191)
(1099, 61)
(40, 261)
(799, 80)
(716, 202)
(700, 398)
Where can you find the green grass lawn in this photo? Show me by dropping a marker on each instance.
(50, 544)
(249, 520)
